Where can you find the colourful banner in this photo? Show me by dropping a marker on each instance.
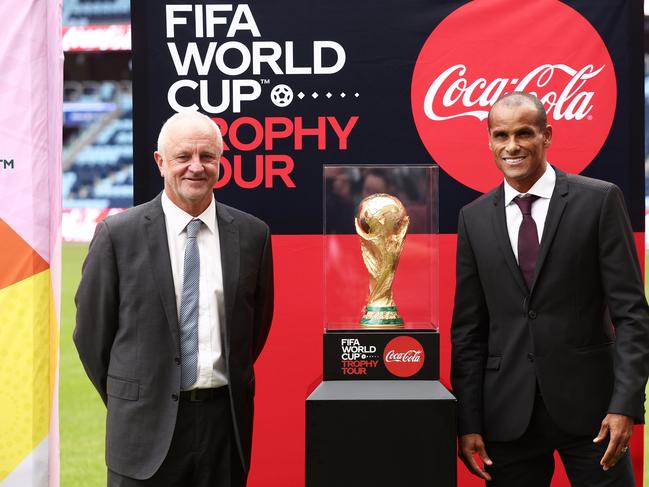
(31, 90)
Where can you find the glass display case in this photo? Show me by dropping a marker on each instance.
(350, 266)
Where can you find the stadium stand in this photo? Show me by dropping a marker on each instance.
(98, 160)
(87, 12)
(98, 127)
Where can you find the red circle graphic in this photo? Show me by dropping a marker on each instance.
(404, 356)
(489, 47)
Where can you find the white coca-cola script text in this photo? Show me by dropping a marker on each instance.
(457, 95)
(413, 356)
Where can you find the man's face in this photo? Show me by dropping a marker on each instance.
(519, 144)
(189, 164)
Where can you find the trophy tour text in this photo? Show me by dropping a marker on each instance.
(355, 358)
(220, 77)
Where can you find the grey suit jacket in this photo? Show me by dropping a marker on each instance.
(581, 332)
(127, 331)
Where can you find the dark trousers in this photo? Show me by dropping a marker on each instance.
(529, 461)
(203, 452)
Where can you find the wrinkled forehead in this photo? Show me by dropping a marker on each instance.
(191, 132)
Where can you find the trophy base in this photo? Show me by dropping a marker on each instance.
(381, 326)
(381, 318)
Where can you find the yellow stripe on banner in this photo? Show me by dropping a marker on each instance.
(26, 380)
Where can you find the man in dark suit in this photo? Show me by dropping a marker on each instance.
(550, 328)
(174, 306)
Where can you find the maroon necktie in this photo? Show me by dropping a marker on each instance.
(528, 239)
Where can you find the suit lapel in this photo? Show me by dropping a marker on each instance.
(229, 242)
(502, 235)
(156, 236)
(555, 211)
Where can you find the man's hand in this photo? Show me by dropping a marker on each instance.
(620, 428)
(470, 445)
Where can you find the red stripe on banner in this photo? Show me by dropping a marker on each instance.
(291, 365)
(18, 260)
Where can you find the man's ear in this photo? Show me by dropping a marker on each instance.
(547, 135)
(159, 161)
(489, 137)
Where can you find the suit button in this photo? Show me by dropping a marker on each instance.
(177, 360)
(530, 357)
(174, 397)
(532, 314)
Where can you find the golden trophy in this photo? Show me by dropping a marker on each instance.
(381, 223)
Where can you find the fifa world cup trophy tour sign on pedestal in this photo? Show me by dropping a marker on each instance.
(385, 365)
(382, 224)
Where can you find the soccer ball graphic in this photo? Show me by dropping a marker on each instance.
(281, 95)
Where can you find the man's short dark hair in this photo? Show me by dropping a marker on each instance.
(516, 98)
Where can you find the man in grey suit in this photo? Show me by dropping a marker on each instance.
(174, 307)
(550, 328)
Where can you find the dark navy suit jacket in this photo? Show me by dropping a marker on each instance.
(581, 332)
(127, 331)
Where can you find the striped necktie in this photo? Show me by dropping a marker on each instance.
(189, 308)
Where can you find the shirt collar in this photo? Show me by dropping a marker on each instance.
(542, 188)
(177, 219)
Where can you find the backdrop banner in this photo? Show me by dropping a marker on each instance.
(295, 85)
(31, 97)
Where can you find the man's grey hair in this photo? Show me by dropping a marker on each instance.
(179, 117)
(516, 98)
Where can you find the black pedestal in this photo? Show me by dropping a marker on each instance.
(380, 433)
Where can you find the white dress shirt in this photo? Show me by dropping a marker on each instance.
(211, 363)
(542, 188)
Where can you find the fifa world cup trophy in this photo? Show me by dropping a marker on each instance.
(382, 223)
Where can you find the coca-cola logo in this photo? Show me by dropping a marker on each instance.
(407, 356)
(487, 48)
(403, 356)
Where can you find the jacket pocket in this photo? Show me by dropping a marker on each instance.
(128, 389)
(594, 348)
(493, 363)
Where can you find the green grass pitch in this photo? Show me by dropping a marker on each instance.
(81, 412)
